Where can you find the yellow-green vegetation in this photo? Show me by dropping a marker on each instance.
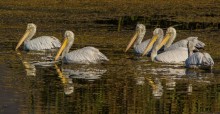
(178, 10)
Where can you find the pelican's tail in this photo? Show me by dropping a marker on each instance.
(103, 57)
(55, 42)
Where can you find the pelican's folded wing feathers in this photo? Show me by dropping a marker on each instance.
(176, 56)
(85, 55)
(43, 42)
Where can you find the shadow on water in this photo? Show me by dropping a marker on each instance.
(31, 82)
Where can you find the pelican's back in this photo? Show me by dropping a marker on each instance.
(199, 60)
(85, 55)
(183, 43)
(41, 43)
(175, 56)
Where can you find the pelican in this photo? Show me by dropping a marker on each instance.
(201, 60)
(39, 43)
(175, 56)
(85, 55)
(139, 46)
(171, 36)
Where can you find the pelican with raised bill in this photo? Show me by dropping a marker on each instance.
(39, 43)
(175, 56)
(85, 55)
(200, 60)
(139, 46)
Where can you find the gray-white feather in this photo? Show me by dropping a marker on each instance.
(41, 43)
(183, 43)
(85, 55)
(141, 47)
(175, 56)
(198, 60)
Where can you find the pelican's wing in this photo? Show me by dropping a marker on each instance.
(194, 59)
(85, 55)
(141, 47)
(41, 43)
(183, 43)
(199, 59)
(175, 56)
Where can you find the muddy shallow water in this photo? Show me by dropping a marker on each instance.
(31, 83)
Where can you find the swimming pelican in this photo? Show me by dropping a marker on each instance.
(139, 46)
(176, 56)
(199, 59)
(39, 43)
(85, 55)
(170, 37)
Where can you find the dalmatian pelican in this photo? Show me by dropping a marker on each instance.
(175, 56)
(84, 55)
(39, 43)
(173, 53)
(139, 46)
(171, 36)
(201, 60)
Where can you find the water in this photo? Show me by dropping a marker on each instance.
(31, 83)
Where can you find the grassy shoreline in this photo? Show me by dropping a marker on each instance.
(177, 10)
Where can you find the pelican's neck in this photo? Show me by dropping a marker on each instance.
(139, 38)
(190, 48)
(31, 34)
(156, 47)
(171, 39)
(69, 45)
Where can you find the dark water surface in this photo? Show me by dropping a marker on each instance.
(127, 83)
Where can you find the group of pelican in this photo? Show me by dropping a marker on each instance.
(159, 47)
(85, 55)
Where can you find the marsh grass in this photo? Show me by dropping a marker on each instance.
(178, 10)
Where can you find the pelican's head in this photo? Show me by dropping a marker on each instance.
(171, 30)
(198, 44)
(169, 37)
(67, 43)
(191, 48)
(157, 37)
(30, 31)
(140, 30)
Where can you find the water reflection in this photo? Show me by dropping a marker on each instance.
(73, 71)
(90, 74)
(66, 81)
(46, 60)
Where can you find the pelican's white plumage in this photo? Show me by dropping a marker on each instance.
(176, 53)
(199, 59)
(171, 36)
(39, 43)
(175, 56)
(139, 46)
(85, 55)
(183, 43)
